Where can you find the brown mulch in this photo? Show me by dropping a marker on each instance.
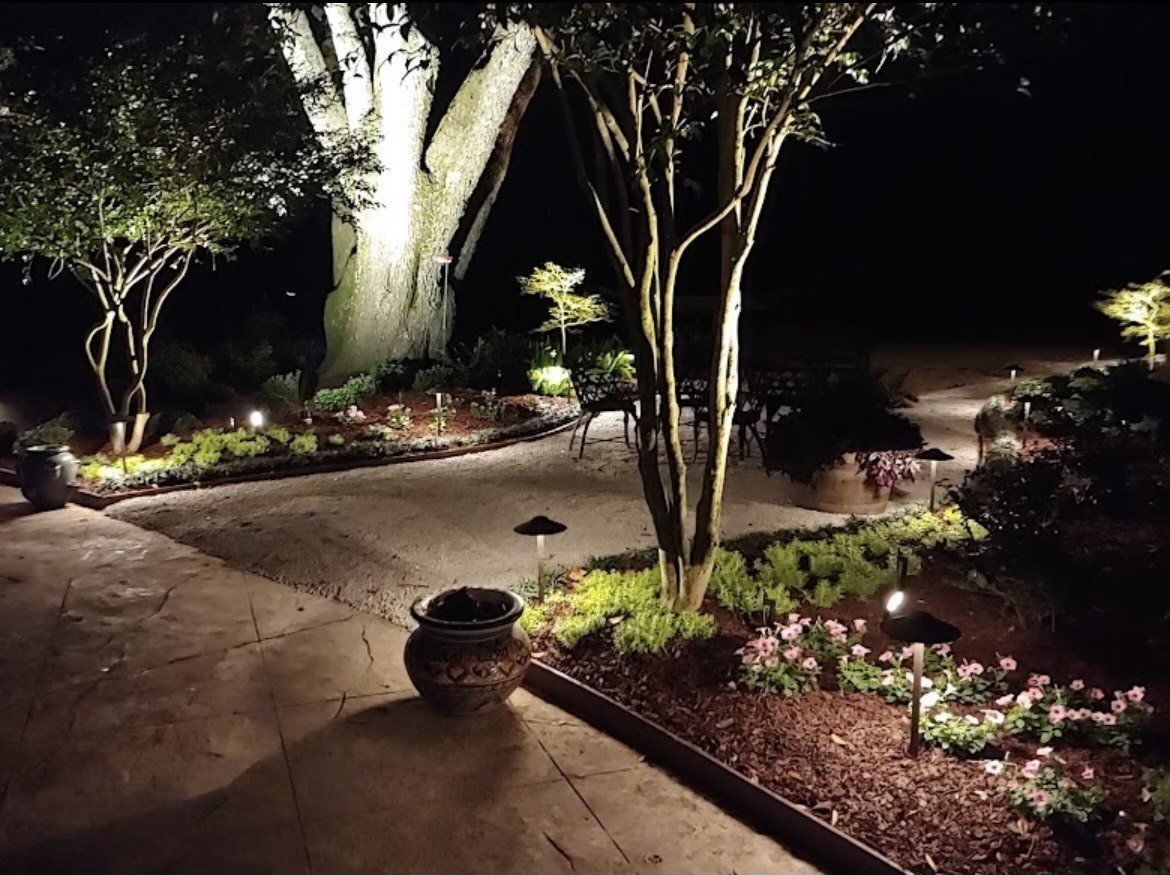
(842, 754)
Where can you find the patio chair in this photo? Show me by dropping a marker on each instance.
(602, 393)
(694, 393)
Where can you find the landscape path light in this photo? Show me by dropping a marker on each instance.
(1013, 371)
(256, 420)
(1096, 355)
(933, 455)
(918, 629)
(538, 527)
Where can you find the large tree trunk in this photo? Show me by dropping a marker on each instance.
(389, 298)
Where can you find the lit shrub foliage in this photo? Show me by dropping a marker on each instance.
(821, 569)
(351, 393)
(628, 603)
(1044, 790)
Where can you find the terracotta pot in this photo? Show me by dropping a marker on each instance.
(46, 475)
(841, 489)
(467, 654)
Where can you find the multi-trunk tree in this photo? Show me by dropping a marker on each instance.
(641, 83)
(370, 70)
(129, 174)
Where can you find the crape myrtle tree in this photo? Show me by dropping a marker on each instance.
(372, 70)
(1143, 309)
(127, 174)
(640, 84)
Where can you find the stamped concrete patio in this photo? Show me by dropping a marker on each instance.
(162, 711)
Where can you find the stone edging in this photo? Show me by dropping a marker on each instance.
(772, 814)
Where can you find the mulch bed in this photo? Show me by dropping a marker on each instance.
(842, 754)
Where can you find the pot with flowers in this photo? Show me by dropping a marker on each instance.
(842, 446)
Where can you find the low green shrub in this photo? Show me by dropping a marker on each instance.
(627, 599)
(304, 444)
(548, 375)
(442, 376)
(281, 393)
(351, 393)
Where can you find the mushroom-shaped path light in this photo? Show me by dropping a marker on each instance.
(933, 455)
(1013, 371)
(539, 526)
(918, 629)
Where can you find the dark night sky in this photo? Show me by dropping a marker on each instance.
(958, 209)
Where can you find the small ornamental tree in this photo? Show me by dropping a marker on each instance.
(640, 85)
(1143, 309)
(567, 309)
(126, 177)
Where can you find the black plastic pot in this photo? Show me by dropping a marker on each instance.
(46, 475)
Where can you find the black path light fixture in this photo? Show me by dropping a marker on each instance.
(933, 455)
(1013, 371)
(918, 629)
(538, 527)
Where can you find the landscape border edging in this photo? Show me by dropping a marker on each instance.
(761, 808)
(101, 501)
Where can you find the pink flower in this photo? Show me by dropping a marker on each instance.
(942, 649)
(794, 618)
(1031, 769)
(1108, 720)
(1135, 694)
(1079, 714)
(1043, 751)
(1024, 700)
(971, 720)
(1005, 701)
(1035, 693)
(859, 651)
(962, 671)
(1087, 773)
(1097, 694)
(1007, 663)
(1039, 680)
(975, 668)
(1098, 717)
(1077, 685)
(1040, 798)
(994, 717)
(859, 624)
(790, 633)
(994, 767)
(792, 654)
(907, 652)
(886, 656)
(1056, 714)
(1118, 706)
(810, 663)
(771, 662)
(1136, 843)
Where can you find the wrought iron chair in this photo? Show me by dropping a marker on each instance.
(602, 393)
(694, 393)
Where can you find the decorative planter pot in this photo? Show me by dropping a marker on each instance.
(467, 654)
(841, 489)
(46, 475)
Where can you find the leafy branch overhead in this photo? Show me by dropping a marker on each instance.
(567, 309)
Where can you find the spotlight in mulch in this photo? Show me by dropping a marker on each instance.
(539, 526)
(918, 629)
(933, 455)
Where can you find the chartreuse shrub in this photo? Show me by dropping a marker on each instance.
(627, 601)
(821, 569)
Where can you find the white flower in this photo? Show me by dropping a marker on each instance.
(929, 700)
(994, 767)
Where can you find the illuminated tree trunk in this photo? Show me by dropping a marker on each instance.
(388, 299)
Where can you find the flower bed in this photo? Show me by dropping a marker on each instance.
(1035, 754)
(383, 428)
